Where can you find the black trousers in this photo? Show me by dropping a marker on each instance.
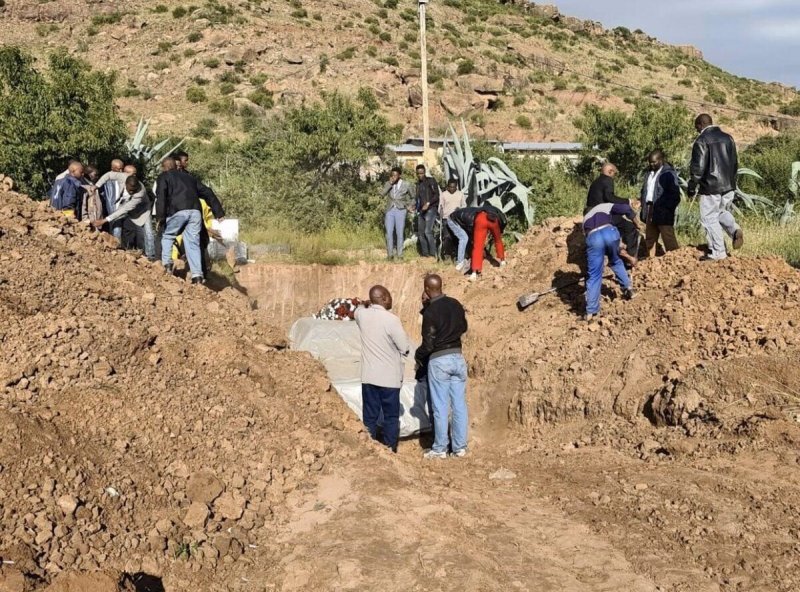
(377, 401)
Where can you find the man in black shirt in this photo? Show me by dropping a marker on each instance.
(443, 324)
(602, 191)
(178, 211)
(427, 211)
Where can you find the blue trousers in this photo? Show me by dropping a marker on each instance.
(447, 388)
(462, 237)
(395, 223)
(599, 245)
(425, 223)
(377, 400)
(188, 222)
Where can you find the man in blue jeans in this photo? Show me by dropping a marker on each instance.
(603, 240)
(384, 343)
(178, 211)
(443, 324)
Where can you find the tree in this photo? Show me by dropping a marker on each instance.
(626, 139)
(47, 118)
(314, 156)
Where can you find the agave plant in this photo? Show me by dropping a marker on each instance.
(146, 154)
(492, 181)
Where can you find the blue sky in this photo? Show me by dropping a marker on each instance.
(754, 38)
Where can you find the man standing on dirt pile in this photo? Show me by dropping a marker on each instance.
(399, 199)
(713, 171)
(178, 211)
(660, 197)
(443, 323)
(602, 239)
(427, 211)
(602, 191)
(111, 186)
(134, 206)
(67, 192)
(383, 345)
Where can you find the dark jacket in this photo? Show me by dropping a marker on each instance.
(176, 191)
(465, 217)
(666, 197)
(428, 193)
(443, 324)
(67, 194)
(602, 191)
(714, 163)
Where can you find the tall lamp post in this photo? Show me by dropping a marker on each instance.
(428, 157)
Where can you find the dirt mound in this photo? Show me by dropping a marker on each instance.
(146, 425)
(688, 319)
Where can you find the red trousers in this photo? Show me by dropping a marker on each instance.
(483, 226)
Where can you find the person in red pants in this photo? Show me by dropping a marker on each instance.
(478, 223)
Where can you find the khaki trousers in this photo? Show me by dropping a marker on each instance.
(667, 234)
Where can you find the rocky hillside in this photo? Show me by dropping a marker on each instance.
(513, 70)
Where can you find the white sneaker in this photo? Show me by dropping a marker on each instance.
(503, 263)
(473, 277)
(431, 454)
(460, 453)
(461, 266)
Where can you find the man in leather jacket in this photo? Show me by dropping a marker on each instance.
(713, 175)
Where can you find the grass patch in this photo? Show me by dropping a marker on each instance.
(332, 246)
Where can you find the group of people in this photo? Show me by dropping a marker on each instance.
(611, 227)
(429, 204)
(120, 203)
(439, 360)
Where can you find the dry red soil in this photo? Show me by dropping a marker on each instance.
(160, 436)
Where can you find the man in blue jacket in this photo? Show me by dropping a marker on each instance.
(660, 197)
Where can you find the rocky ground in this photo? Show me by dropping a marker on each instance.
(514, 71)
(159, 436)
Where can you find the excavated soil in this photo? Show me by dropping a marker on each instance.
(159, 436)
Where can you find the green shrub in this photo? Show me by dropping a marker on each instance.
(65, 110)
(211, 63)
(109, 18)
(179, 12)
(626, 139)
(465, 66)
(384, 36)
(716, 96)
(160, 9)
(390, 60)
(189, 52)
(230, 77)
(520, 100)
(324, 60)
(223, 106)
(559, 84)
(226, 88)
(194, 37)
(195, 94)
(772, 158)
(648, 91)
(390, 4)
(372, 51)
(685, 82)
(205, 128)
(300, 14)
(262, 98)
(259, 79)
(346, 54)
(524, 121)
(792, 109)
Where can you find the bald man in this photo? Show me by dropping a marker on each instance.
(444, 322)
(384, 343)
(601, 191)
(112, 187)
(67, 193)
(713, 170)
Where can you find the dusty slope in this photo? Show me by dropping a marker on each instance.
(667, 434)
(540, 64)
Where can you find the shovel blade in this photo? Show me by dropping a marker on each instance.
(526, 300)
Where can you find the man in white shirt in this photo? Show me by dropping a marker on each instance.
(660, 197)
(451, 200)
(384, 343)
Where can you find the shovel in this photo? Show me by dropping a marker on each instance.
(527, 300)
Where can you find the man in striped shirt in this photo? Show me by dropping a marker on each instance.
(602, 240)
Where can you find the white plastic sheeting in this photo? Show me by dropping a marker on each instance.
(337, 344)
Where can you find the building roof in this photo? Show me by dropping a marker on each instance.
(414, 145)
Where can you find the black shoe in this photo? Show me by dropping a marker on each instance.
(628, 294)
(169, 269)
(199, 280)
